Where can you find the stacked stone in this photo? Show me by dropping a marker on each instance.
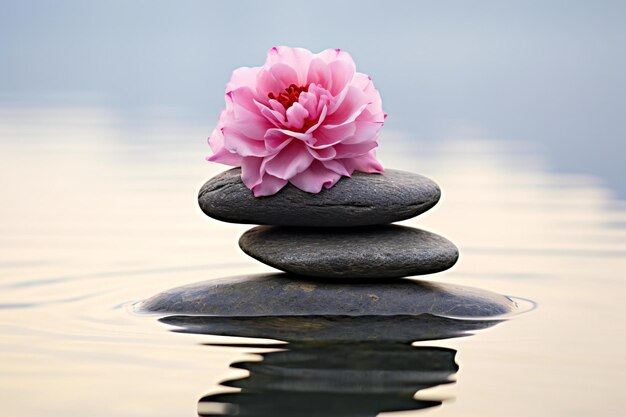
(342, 232)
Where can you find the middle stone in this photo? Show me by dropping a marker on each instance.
(387, 251)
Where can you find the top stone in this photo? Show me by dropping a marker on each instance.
(363, 200)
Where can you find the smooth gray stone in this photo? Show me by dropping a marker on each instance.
(387, 251)
(284, 295)
(364, 199)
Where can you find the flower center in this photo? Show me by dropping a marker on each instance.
(289, 95)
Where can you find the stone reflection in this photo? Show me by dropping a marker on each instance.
(317, 379)
(333, 365)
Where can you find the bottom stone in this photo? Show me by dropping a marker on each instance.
(288, 295)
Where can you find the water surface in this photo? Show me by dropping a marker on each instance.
(99, 213)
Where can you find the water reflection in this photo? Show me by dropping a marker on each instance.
(333, 365)
(332, 329)
(317, 379)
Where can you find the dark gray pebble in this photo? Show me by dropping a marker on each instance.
(264, 295)
(388, 251)
(364, 199)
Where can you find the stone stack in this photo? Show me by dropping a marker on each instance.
(340, 253)
(342, 232)
(341, 305)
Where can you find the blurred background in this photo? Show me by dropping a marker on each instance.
(548, 74)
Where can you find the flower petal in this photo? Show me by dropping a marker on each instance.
(352, 106)
(355, 150)
(324, 97)
(308, 100)
(251, 171)
(297, 58)
(289, 133)
(276, 142)
(216, 140)
(239, 143)
(322, 154)
(319, 73)
(364, 163)
(267, 83)
(275, 79)
(284, 74)
(243, 77)
(296, 115)
(365, 131)
(275, 117)
(313, 179)
(269, 185)
(341, 73)
(243, 99)
(290, 161)
(337, 166)
(332, 135)
(365, 84)
(245, 115)
(330, 55)
(224, 156)
(220, 153)
(319, 122)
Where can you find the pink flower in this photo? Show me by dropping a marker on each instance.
(302, 118)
